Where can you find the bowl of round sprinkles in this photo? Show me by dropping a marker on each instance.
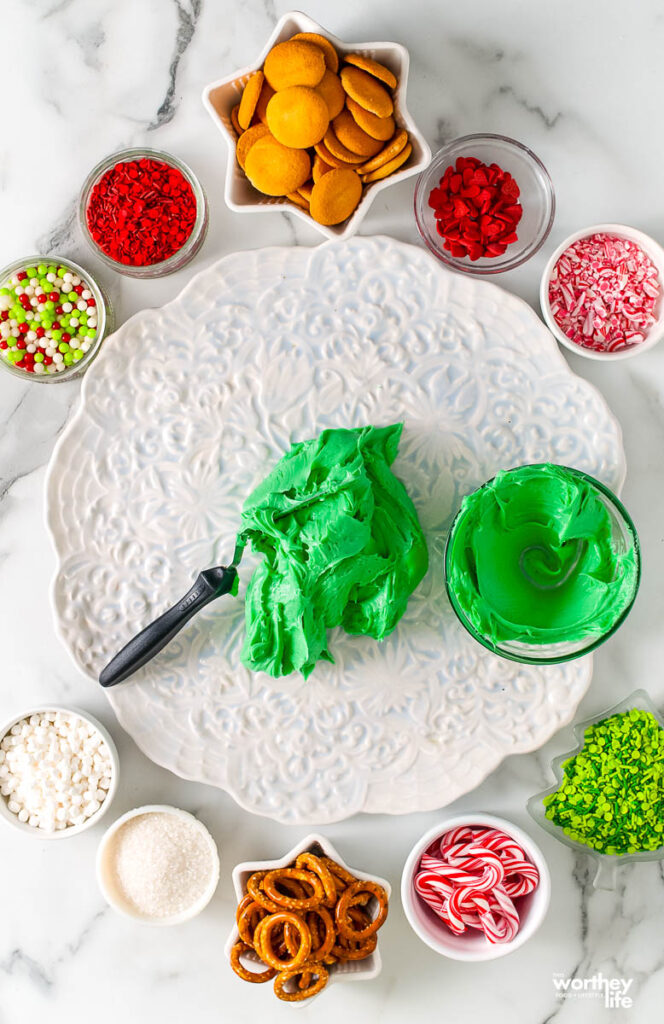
(608, 799)
(53, 318)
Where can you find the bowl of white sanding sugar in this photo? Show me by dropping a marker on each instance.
(58, 771)
(158, 864)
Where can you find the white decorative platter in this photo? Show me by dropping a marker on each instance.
(183, 413)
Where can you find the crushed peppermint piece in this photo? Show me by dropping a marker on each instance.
(603, 292)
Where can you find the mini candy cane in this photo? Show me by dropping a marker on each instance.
(470, 878)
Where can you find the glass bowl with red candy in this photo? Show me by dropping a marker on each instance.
(601, 292)
(485, 204)
(143, 212)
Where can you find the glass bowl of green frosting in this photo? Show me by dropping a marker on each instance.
(608, 797)
(542, 563)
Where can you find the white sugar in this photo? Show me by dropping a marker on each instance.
(159, 864)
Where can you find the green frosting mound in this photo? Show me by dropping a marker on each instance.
(534, 557)
(342, 543)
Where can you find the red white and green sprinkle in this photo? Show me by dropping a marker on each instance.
(48, 319)
(612, 794)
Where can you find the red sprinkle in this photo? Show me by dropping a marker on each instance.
(476, 209)
(603, 292)
(141, 212)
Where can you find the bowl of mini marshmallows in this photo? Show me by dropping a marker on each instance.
(58, 772)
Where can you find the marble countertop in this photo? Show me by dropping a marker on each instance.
(581, 84)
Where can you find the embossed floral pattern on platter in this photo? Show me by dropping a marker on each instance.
(186, 409)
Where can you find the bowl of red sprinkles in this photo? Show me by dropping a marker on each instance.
(485, 204)
(143, 212)
(601, 292)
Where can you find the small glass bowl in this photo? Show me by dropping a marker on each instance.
(624, 538)
(180, 258)
(105, 319)
(607, 864)
(537, 198)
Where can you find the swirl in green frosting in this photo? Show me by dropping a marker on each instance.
(342, 544)
(534, 557)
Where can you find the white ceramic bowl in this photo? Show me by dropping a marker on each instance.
(351, 970)
(656, 253)
(72, 830)
(221, 96)
(473, 945)
(106, 886)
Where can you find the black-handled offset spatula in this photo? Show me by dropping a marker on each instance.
(209, 585)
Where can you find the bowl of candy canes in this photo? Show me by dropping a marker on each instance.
(601, 292)
(475, 887)
(485, 204)
(53, 318)
(59, 771)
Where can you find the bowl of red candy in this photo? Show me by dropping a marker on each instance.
(485, 204)
(475, 887)
(143, 212)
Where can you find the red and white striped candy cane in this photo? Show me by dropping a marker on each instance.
(471, 879)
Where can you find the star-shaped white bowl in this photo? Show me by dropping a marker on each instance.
(351, 970)
(221, 96)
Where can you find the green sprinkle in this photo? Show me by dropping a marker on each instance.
(42, 270)
(612, 794)
(78, 354)
(31, 272)
(68, 358)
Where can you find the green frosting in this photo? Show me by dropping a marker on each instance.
(342, 544)
(533, 558)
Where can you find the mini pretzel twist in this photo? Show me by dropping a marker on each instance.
(264, 940)
(310, 862)
(311, 970)
(271, 881)
(360, 892)
(255, 977)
